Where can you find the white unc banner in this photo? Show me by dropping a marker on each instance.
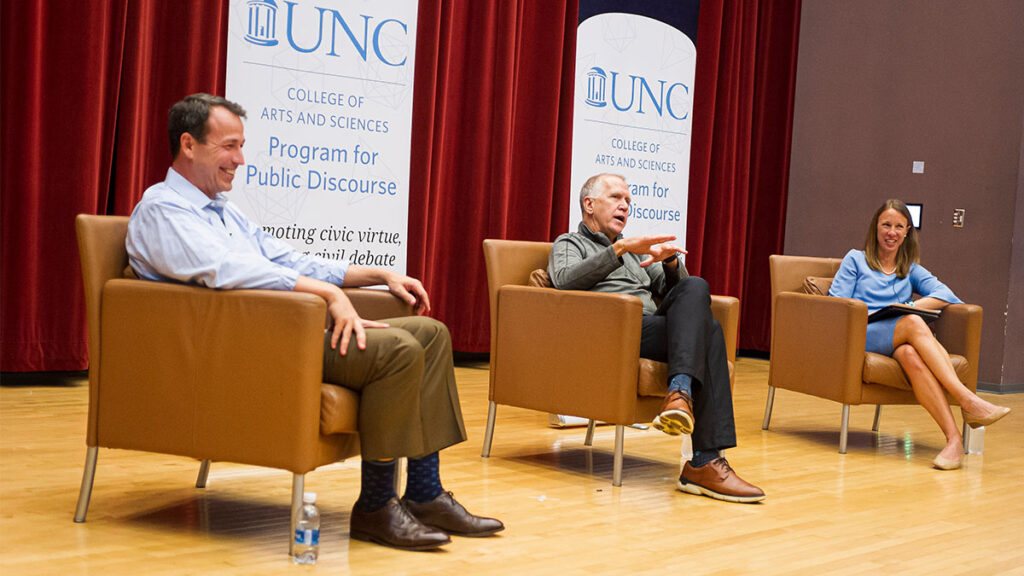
(328, 87)
(633, 116)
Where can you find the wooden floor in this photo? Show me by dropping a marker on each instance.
(880, 509)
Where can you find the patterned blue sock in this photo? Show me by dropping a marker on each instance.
(701, 458)
(424, 482)
(378, 484)
(681, 382)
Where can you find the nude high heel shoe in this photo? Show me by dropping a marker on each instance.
(976, 421)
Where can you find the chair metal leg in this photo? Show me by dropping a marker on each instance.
(878, 416)
(620, 435)
(768, 408)
(401, 469)
(298, 486)
(204, 474)
(86, 490)
(492, 408)
(844, 429)
(589, 440)
(967, 438)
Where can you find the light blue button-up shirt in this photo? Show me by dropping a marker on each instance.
(176, 233)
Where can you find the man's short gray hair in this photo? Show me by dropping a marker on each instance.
(595, 185)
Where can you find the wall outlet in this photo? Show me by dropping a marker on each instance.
(958, 218)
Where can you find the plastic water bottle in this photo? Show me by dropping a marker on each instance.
(685, 451)
(307, 531)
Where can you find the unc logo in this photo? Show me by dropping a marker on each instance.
(329, 31)
(596, 79)
(262, 23)
(632, 93)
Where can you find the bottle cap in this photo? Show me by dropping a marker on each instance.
(308, 497)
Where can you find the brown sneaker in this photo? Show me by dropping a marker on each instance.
(676, 415)
(718, 480)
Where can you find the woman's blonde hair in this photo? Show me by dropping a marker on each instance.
(909, 251)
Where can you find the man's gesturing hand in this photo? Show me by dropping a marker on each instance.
(657, 246)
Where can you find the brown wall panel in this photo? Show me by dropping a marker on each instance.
(1013, 347)
(884, 83)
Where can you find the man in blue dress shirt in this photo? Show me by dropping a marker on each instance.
(185, 230)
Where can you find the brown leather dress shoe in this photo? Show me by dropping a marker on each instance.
(718, 480)
(444, 513)
(676, 415)
(393, 525)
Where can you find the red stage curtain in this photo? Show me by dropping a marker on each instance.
(59, 103)
(86, 88)
(491, 144)
(739, 173)
(492, 147)
(171, 49)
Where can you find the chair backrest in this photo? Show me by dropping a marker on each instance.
(788, 272)
(510, 262)
(103, 254)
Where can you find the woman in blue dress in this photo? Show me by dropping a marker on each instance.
(887, 272)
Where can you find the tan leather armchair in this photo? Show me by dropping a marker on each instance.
(573, 352)
(208, 374)
(817, 345)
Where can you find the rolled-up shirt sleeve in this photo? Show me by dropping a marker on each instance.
(281, 253)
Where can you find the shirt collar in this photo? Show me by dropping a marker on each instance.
(596, 236)
(189, 192)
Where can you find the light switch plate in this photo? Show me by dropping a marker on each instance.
(918, 167)
(958, 217)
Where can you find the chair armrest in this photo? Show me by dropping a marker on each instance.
(726, 309)
(959, 330)
(567, 352)
(377, 304)
(226, 375)
(818, 345)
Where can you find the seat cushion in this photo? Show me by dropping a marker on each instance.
(883, 370)
(339, 410)
(652, 378)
